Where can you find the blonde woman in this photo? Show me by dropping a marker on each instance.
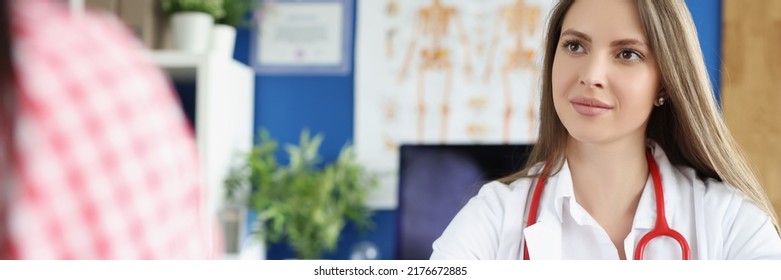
(633, 161)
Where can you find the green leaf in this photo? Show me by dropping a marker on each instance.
(236, 11)
(215, 8)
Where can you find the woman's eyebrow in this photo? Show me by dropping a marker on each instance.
(620, 42)
(576, 33)
(628, 42)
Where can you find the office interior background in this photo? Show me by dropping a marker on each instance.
(737, 38)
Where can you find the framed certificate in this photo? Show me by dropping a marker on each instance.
(303, 37)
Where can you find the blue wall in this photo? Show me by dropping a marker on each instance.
(287, 104)
(707, 17)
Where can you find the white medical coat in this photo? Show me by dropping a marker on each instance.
(717, 221)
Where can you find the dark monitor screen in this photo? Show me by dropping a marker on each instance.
(436, 181)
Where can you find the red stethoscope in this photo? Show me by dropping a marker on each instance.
(660, 229)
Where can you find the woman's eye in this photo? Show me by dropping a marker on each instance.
(629, 55)
(573, 47)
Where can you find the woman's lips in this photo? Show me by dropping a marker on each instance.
(589, 106)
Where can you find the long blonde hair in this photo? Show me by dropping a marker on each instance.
(688, 127)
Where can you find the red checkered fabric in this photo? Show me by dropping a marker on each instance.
(107, 162)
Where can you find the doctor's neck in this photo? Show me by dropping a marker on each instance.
(608, 178)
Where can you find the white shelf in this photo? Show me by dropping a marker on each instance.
(173, 59)
(183, 66)
(224, 114)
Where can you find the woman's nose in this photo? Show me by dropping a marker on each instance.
(593, 73)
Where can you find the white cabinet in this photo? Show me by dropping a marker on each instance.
(224, 113)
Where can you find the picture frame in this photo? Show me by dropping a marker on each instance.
(303, 37)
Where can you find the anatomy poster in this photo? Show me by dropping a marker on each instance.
(444, 72)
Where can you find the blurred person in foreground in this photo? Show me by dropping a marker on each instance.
(97, 160)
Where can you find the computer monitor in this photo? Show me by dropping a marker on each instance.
(436, 181)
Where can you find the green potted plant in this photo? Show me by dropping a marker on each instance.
(302, 202)
(192, 22)
(236, 12)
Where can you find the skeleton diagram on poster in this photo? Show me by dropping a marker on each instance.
(444, 72)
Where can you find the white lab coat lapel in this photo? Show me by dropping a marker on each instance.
(544, 240)
(545, 237)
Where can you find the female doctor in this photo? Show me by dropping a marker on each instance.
(633, 161)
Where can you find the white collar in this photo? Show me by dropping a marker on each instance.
(560, 191)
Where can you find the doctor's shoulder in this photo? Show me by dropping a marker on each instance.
(477, 230)
(735, 226)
